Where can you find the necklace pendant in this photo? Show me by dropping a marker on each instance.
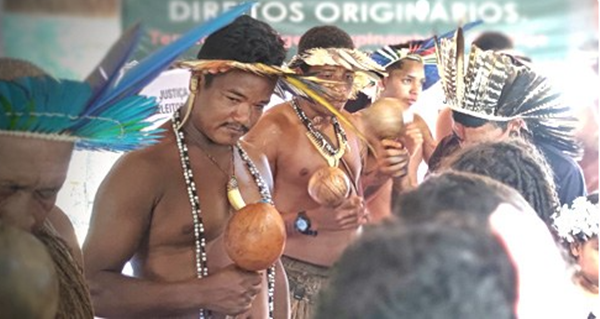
(332, 161)
(234, 196)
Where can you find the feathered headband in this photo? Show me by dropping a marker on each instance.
(498, 87)
(578, 222)
(102, 112)
(367, 72)
(308, 87)
(419, 50)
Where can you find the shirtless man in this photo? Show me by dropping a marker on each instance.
(317, 235)
(145, 211)
(405, 66)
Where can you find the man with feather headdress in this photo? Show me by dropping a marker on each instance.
(498, 97)
(302, 138)
(42, 120)
(167, 206)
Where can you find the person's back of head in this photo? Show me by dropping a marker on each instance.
(327, 36)
(245, 40)
(493, 40)
(517, 164)
(432, 270)
(457, 191)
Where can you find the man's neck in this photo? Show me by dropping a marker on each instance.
(195, 137)
(313, 111)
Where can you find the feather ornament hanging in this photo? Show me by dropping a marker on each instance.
(103, 112)
(498, 87)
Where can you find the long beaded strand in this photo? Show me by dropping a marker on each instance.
(200, 240)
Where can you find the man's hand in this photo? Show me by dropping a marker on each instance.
(413, 139)
(348, 215)
(392, 159)
(233, 289)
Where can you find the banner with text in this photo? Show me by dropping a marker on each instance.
(540, 29)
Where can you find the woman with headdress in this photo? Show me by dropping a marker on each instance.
(499, 97)
(577, 229)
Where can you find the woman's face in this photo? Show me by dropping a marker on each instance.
(587, 258)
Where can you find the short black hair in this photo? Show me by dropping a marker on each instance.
(430, 270)
(457, 191)
(326, 36)
(472, 121)
(493, 40)
(518, 164)
(245, 40)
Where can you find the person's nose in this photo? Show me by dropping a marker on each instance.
(243, 113)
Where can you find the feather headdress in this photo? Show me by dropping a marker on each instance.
(104, 111)
(367, 72)
(418, 50)
(308, 87)
(498, 87)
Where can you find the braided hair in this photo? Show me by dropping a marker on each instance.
(515, 163)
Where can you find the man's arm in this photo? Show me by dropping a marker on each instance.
(266, 136)
(121, 215)
(120, 219)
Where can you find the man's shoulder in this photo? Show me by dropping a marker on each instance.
(278, 115)
(273, 122)
(150, 162)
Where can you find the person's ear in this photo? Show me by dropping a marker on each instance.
(384, 81)
(575, 249)
(194, 82)
(514, 127)
(298, 70)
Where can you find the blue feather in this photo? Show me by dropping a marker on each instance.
(49, 106)
(150, 67)
(107, 71)
(431, 75)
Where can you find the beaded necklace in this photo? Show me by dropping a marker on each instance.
(199, 238)
(331, 155)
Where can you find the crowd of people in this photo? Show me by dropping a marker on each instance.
(501, 226)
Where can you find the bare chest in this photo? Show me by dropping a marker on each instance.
(297, 163)
(173, 221)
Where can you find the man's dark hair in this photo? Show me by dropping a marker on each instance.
(517, 164)
(493, 40)
(431, 270)
(457, 191)
(474, 122)
(245, 40)
(327, 36)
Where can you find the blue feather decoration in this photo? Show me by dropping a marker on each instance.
(51, 108)
(143, 73)
(107, 71)
(103, 113)
(388, 55)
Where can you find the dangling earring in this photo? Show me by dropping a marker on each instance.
(191, 98)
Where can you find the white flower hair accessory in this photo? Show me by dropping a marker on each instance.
(579, 222)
